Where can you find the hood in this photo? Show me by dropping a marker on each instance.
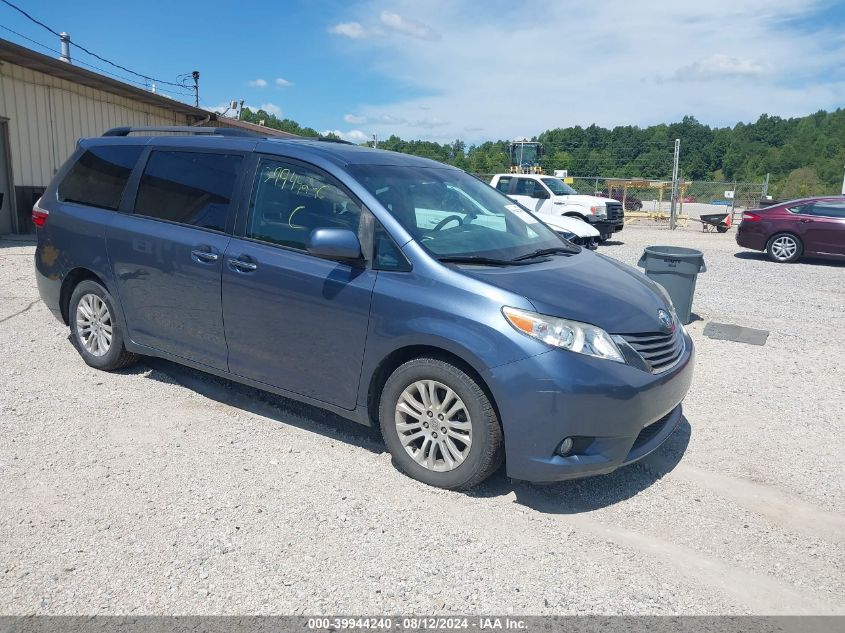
(575, 226)
(586, 287)
(587, 201)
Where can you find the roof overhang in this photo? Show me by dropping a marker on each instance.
(22, 56)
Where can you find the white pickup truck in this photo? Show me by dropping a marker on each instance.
(549, 197)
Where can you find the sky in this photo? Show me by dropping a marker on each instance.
(469, 69)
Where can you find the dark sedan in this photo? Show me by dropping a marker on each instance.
(790, 230)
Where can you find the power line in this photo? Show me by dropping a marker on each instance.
(92, 67)
(82, 48)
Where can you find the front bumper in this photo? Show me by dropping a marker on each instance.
(617, 413)
(606, 227)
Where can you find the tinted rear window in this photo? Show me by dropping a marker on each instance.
(188, 187)
(99, 177)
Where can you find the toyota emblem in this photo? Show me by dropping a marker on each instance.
(666, 321)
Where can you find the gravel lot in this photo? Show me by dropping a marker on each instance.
(162, 490)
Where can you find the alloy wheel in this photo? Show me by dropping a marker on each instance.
(784, 247)
(94, 324)
(433, 425)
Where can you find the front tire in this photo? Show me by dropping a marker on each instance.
(439, 425)
(95, 328)
(784, 248)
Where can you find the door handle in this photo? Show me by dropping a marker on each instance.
(205, 256)
(806, 221)
(242, 265)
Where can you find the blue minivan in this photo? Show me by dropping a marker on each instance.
(390, 289)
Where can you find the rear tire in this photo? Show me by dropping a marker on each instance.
(439, 425)
(784, 248)
(95, 328)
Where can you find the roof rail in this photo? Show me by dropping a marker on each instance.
(331, 139)
(188, 129)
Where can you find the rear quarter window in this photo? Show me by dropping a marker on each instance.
(99, 176)
(192, 188)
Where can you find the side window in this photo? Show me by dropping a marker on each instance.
(802, 209)
(289, 201)
(386, 255)
(504, 184)
(830, 209)
(524, 187)
(99, 177)
(193, 188)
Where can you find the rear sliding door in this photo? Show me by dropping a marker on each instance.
(167, 254)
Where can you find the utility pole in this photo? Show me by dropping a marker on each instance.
(673, 219)
(766, 187)
(375, 141)
(196, 76)
(240, 109)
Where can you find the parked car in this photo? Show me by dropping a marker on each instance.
(789, 230)
(320, 271)
(550, 197)
(575, 230)
(632, 203)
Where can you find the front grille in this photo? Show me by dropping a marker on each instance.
(614, 212)
(659, 350)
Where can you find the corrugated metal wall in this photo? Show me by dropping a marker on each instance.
(47, 115)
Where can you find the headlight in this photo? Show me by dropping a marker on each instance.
(599, 210)
(581, 338)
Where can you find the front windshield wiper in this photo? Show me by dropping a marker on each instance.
(557, 250)
(475, 259)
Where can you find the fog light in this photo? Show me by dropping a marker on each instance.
(565, 446)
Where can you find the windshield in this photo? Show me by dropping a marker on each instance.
(558, 187)
(452, 214)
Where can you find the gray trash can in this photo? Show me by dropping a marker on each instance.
(676, 269)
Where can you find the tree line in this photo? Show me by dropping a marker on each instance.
(803, 155)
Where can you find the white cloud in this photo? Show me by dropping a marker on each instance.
(718, 66)
(282, 83)
(389, 22)
(406, 26)
(353, 30)
(353, 136)
(271, 108)
(354, 119)
(507, 72)
(257, 83)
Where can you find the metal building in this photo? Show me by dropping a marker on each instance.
(47, 104)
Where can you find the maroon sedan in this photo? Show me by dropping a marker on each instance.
(786, 231)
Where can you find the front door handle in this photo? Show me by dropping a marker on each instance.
(205, 256)
(242, 265)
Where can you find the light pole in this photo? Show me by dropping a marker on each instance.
(673, 219)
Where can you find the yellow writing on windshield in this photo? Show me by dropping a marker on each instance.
(286, 178)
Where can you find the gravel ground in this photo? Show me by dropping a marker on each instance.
(162, 490)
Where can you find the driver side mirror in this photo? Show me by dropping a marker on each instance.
(337, 244)
(542, 194)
